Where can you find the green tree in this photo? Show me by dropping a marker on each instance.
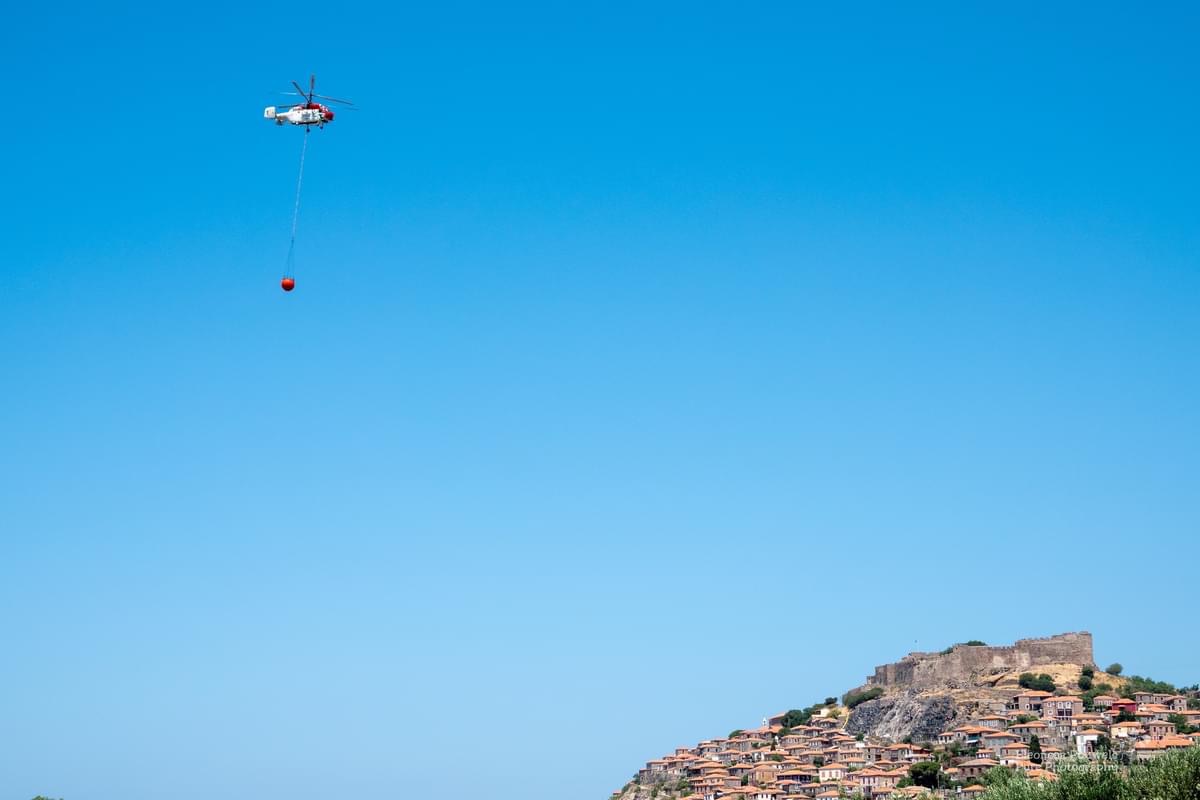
(1125, 716)
(925, 773)
(831, 701)
(1136, 683)
(1171, 776)
(1042, 682)
(795, 717)
(1181, 724)
(1085, 682)
(1000, 776)
(975, 643)
(1035, 749)
(1115, 669)
(800, 716)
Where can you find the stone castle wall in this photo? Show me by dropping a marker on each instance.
(963, 662)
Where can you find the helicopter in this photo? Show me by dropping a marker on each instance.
(307, 113)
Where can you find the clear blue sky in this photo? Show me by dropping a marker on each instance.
(652, 367)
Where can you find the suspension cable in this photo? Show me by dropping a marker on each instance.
(291, 257)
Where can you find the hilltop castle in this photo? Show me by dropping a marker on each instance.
(965, 662)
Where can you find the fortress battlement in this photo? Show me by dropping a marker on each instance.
(964, 662)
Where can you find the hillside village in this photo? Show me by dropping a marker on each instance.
(1058, 712)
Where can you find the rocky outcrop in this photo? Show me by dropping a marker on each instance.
(906, 714)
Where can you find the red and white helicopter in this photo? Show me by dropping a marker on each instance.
(309, 112)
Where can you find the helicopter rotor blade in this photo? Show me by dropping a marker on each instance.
(334, 99)
(301, 91)
(312, 85)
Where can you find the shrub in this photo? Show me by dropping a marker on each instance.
(853, 699)
(1042, 682)
(1114, 669)
(1085, 682)
(831, 701)
(975, 643)
(1089, 671)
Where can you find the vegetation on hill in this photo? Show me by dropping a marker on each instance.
(802, 716)
(853, 699)
(1181, 725)
(1136, 683)
(1041, 683)
(1115, 668)
(1091, 693)
(925, 773)
(1171, 776)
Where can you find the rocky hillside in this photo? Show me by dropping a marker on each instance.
(925, 693)
(964, 709)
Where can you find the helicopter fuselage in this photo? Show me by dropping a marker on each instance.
(306, 114)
